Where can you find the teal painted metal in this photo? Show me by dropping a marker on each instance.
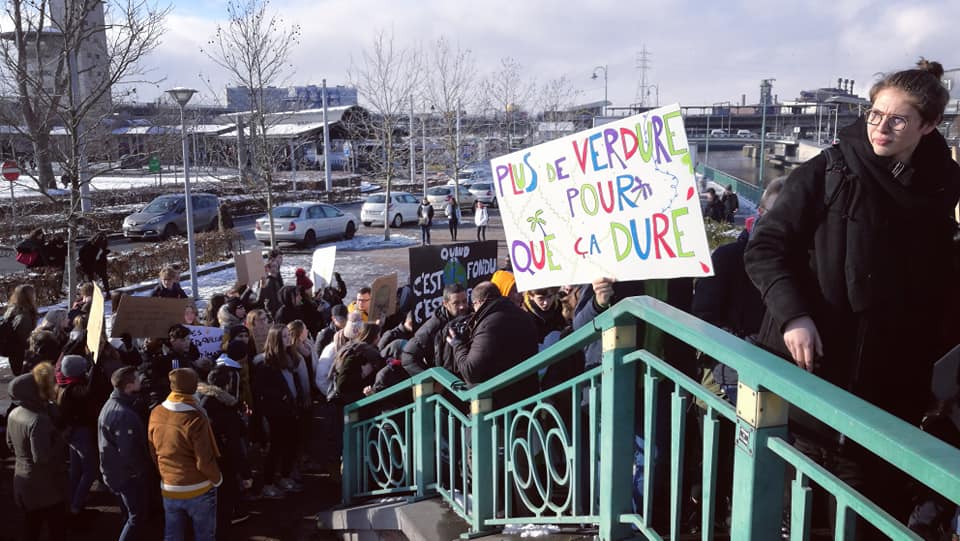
(742, 188)
(538, 462)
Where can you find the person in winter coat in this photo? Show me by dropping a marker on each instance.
(228, 428)
(22, 316)
(56, 322)
(269, 298)
(334, 294)
(231, 364)
(499, 336)
(714, 206)
(452, 212)
(125, 462)
(39, 474)
(92, 259)
(338, 319)
(391, 343)
(419, 353)
(357, 364)
(30, 251)
(169, 285)
(179, 352)
(274, 400)
(42, 346)
(184, 449)
(291, 306)
(425, 219)
(731, 204)
(855, 263)
(231, 313)
(78, 407)
(481, 217)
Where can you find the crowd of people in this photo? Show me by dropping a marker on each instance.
(812, 279)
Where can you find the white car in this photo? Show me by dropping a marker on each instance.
(440, 195)
(403, 209)
(483, 191)
(306, 223)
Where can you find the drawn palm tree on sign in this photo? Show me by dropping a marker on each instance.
(536, 220)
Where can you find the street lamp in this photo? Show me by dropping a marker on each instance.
(594, 77)
(182, 95)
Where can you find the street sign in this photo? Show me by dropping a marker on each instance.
(10, 170)
(154, 164)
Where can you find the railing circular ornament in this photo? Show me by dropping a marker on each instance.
(386, 453)
(540, 430)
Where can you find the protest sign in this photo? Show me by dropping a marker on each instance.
(95, 322)
(249, 267)
(207, 340)
(433, 267)
(321, 268)
(618, 200)
(147, 317)
(383, 298)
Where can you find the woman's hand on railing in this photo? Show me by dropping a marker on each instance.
(803, 342)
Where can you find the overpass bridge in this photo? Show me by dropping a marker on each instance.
(566, 456)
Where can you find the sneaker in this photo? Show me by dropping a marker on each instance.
(289, 485)
(239, 517)
(272, 492)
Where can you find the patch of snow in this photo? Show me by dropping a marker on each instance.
(530, 530)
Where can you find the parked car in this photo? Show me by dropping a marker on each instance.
(483, 191)
(305, 223)
(403, 209)
(718, 133)
(166, 216)
(745, 133)
(439, 195)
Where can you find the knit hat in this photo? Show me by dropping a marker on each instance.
(73, 366)
(183, 380)
(236, 330)
(302, 281)
(338, 310)
(237, 350)
(504, 281)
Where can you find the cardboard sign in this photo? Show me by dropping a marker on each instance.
(147, 317)
(95, 322)
(383, 298)
(249, 267)
(618, 200)
(433, 267)
(207, 339)
(321, 268)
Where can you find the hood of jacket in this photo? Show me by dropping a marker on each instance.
(226, 318)
(227, 361)
(24, 389)
(205, 389)
(929, 183)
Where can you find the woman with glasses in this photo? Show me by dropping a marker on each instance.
(855, 262)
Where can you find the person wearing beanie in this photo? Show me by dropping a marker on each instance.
(507, 284)
(78, 406)
(303, 282)
(184, 449)
(125, 458)
(228, 428)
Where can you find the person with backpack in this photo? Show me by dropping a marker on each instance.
(18, 322)
(855, 264)
(30, 252)
(425, 220)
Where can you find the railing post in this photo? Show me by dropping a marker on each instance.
(758, 474)
(618, 386)
(424, 466)
(481, 462)
(349, 458)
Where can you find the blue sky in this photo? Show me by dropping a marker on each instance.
(701, 51)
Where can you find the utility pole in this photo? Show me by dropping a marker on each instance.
(423, 126)
(456, 160)
(413, 145)
(766, 86)
(326, 140)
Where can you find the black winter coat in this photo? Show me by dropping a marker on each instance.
(271, 394)
(397, 333)
(874, 270)
(728, 299)
(502, 336)
(418, 354)
(356, 367)
(269, 298)
(175, 292)
(228, 428)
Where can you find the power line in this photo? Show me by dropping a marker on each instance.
(643, 64)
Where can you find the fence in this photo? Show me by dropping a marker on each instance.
(567, 454)
(744, 189)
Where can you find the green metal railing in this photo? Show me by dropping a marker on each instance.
(741, 187)
(566, 455)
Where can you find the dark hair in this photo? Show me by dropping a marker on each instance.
(485, 291)
(452, 289)
(274, 353)
(364, 291)
(544, 291)
(219, 376)
(123, 376)
(210, 316)
(37, 234)
(369, 333)
(178, 330)
(923, 85)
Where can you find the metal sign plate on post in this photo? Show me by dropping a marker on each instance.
(154, 164)
(10, 170)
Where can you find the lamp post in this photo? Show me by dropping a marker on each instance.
(766, 86)
(594, 76)
(182, 95)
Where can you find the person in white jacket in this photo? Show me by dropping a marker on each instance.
(480, 218)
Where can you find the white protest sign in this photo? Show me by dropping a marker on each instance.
(618, 200)
(207, 340)
(321, 269)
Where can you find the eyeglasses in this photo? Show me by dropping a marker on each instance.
(894, 122)
(363, 299)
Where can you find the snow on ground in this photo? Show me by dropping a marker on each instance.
(27, 187)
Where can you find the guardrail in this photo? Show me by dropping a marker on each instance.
(741, 187)
(566, 455)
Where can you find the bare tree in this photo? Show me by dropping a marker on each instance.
(507, 93)
(254, 46)
(386, 77)
(66, 61)
(450, 84)
(555, 100)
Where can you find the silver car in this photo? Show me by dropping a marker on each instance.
(305, 223)
(166, 216)
(484, 192)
